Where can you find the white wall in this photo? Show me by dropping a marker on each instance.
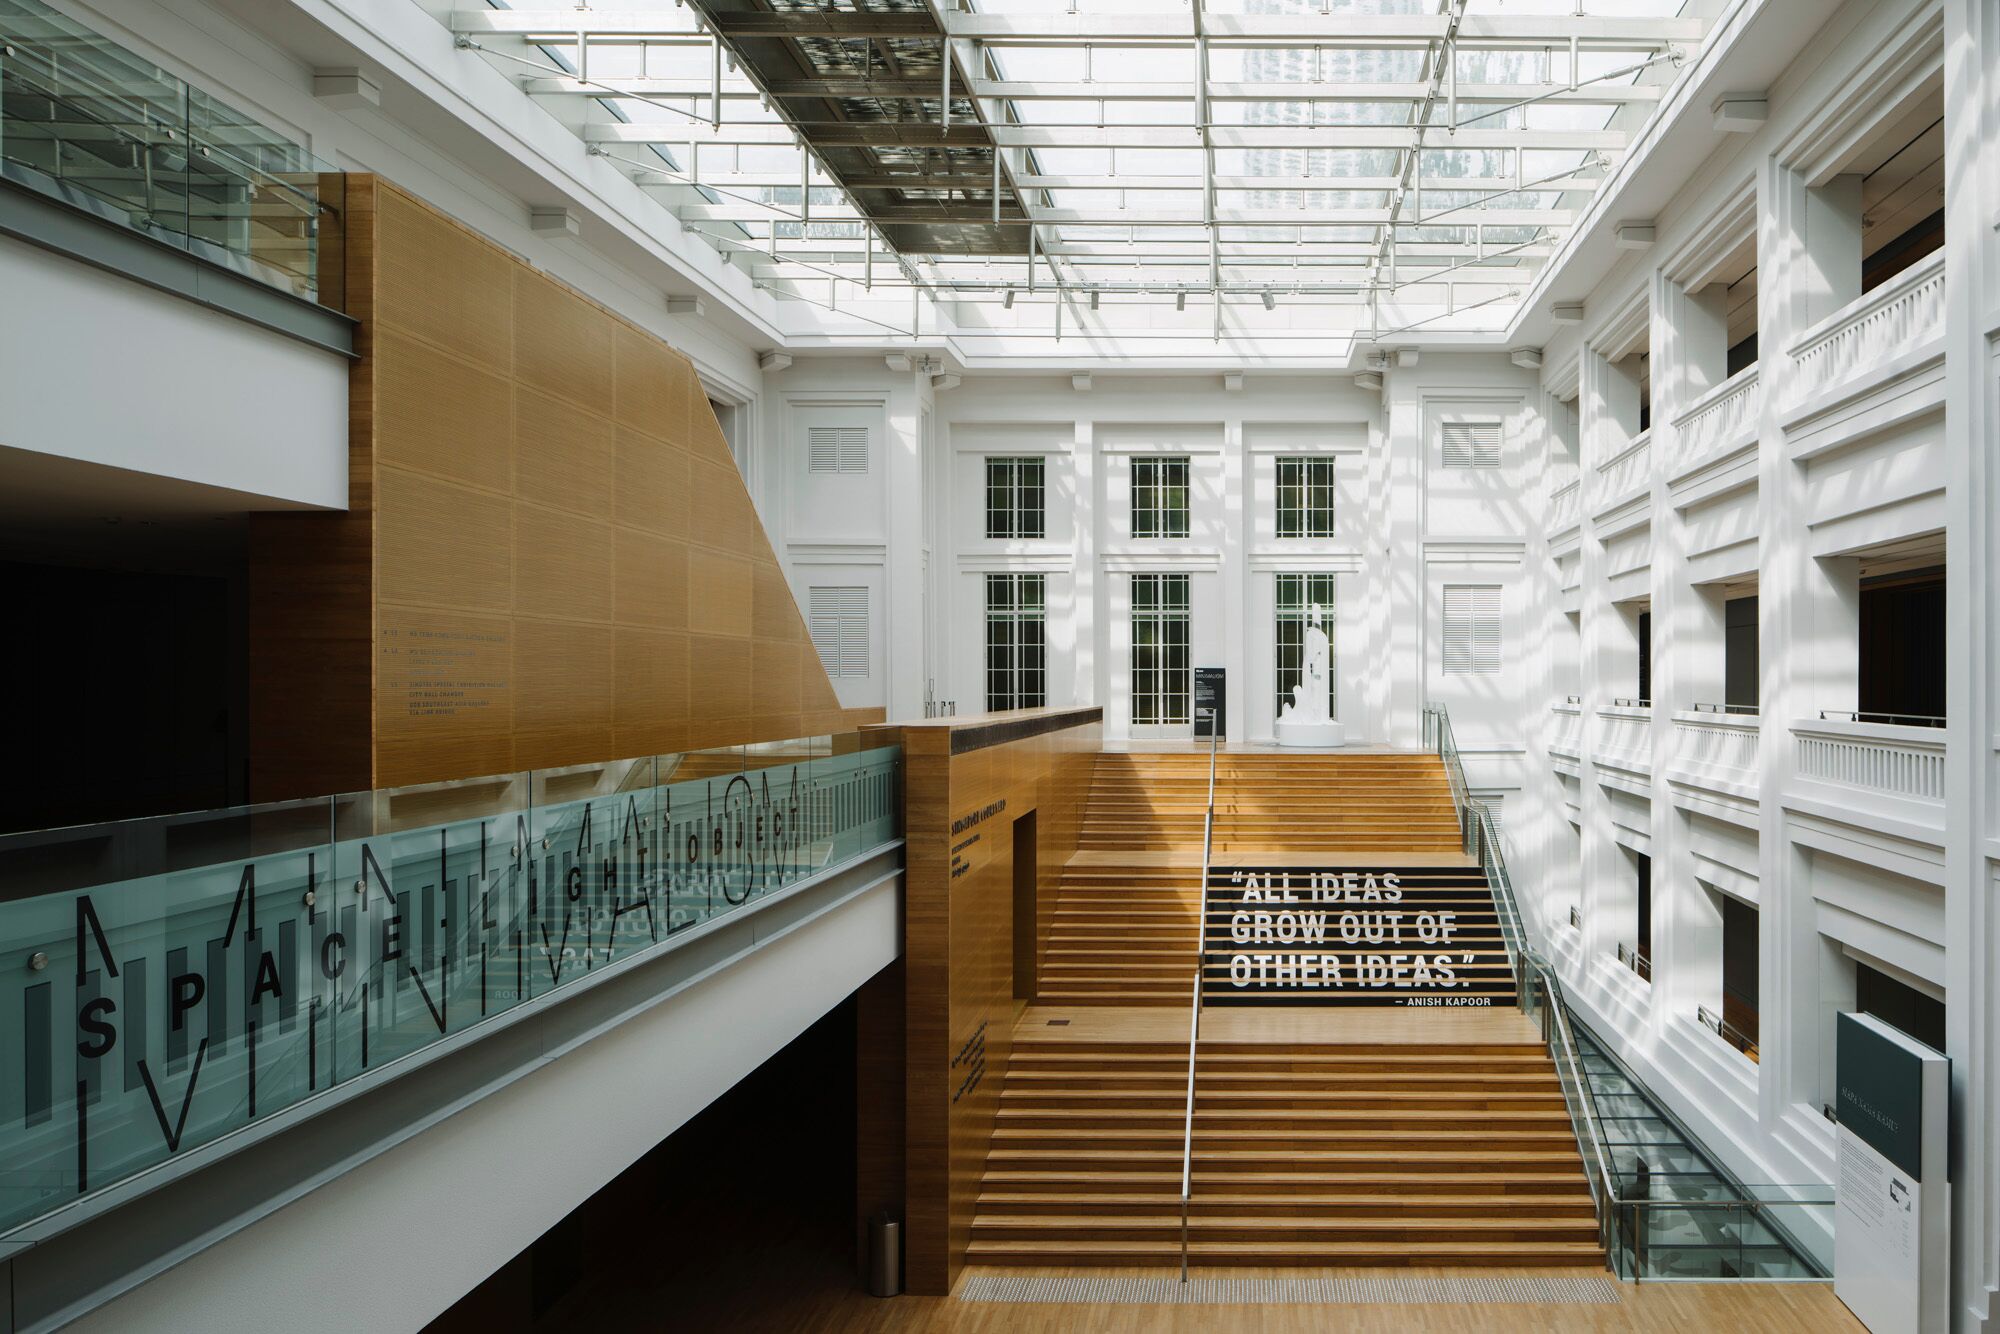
(97, 368)
(1231, 554)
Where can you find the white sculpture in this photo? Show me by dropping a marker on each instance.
(1305, 721)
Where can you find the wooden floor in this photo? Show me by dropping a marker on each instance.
(795, 1303)
(1662, 1307)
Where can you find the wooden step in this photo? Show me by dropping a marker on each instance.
(1402, 1252)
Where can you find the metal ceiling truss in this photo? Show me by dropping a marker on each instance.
(929, 153)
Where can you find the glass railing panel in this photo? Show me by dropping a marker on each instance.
(100, 127)
(176, 979)
(1730, 1239)
(151, 968)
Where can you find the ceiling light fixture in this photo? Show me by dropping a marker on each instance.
(1270, 302)
(1007, 303)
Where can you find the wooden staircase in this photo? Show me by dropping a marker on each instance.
(1303, 804)
(1304, 1154)
(1324, 1135)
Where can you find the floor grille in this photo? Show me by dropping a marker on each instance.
(1582, 1290)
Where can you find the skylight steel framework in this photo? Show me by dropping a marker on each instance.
(1408, 155)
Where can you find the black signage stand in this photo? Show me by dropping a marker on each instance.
(1211, 698)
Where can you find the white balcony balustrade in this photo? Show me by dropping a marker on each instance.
(1566, 734)
(1716, 751)
(1888, 759)
(1624, 474)
(1722, 418)
(1565, 507)
(1625, 737)
(1871, 333)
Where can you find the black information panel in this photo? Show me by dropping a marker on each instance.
(1211, 700)
(1353, 935)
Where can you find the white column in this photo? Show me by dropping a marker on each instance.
(1972, 426)
(1689, 342)
(1809, 613)
(1607, 657)
(1086, 610)
(1404, 581)
(1233, 531)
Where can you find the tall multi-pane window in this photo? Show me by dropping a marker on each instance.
(1016, 498)
(1305, 497)
(1298, 594)
(1016, 642)
(1160, 497)
(1162, 672)
(1471, 628)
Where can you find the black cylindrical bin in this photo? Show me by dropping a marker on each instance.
(885, 1256)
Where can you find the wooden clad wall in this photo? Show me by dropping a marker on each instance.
(549, 558)
(981, 775)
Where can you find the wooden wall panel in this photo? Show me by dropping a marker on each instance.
(440, 544)
(564, 457)
(445, 694)
(563, 565)
(453, 419)
(311, 590)
(550, 557)
(958, 923)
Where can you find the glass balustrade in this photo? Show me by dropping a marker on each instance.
(1665, 1209)
(89, 122)
(165, 982)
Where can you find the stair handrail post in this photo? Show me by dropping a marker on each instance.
(1200, 964)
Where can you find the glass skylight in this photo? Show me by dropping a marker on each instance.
(1414, 159)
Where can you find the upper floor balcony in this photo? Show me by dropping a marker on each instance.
(1887, 769)
(1864, 356)
(177, 982)
(1624, 475)
(1722, 420)
(1715, 754)
(99, 129)
(1565, 507)
(1566, 734)
(1624, 740)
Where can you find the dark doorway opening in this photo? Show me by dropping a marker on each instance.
(1902, 646)
(1896, 1002)
(1644, 878)
(126, 690)
(1645, 657)
(1739, 967)
(1026, 874)
(1740, 684)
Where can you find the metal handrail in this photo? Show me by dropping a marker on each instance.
(1200, 966)
(1735, 710)
(1893, 719)
(1725, 1030)
(1530, 968)
(1636, 959)
(1557, 1023)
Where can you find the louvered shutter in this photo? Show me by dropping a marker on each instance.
(1471, 628)
(837, 618)
(836, 449)
(1472, 444)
